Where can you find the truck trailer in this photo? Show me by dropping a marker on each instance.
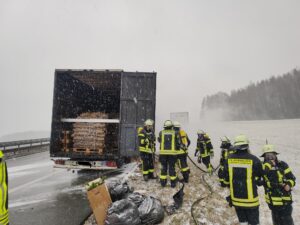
(96, 114)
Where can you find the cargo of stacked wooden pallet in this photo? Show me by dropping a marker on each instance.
(89, 137)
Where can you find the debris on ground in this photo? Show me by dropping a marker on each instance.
(123, 212)
(93, 184)
(151, 211)
(99, 198)
(119, 190)
(211, 210)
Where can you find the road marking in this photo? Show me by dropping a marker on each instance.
(18, 204)
(15, 169)
(32, 182)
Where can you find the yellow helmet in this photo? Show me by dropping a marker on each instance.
(148, 122)
(225, 139)
(1, 154)
(241, 140)
(200, 132)
(268, 149)
(176, 124)
(168, 123)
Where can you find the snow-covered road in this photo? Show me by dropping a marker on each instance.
(41, 194)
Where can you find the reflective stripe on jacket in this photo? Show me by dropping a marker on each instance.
(241, 172)
(205, 147)
(169, 142)
(3, 194)
(146, 141)
(275, 177)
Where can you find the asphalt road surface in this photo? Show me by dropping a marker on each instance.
(40, 194)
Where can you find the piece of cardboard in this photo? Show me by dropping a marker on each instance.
(100, 200)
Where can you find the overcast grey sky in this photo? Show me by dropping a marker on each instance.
(196, 47)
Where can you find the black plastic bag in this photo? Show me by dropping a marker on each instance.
(178, 200)
(123, 212)
(118, 190)
(178, 197)
(136, 198)
(151, 211)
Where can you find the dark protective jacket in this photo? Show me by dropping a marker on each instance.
(170, 142)
(146, 140)
(225, 152)
(242, 170)
(204, 146)
(275, 177)
(3, 193)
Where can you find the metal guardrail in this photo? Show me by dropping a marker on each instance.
(13, 146)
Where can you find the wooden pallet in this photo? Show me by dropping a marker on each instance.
(88, 150)
(65, 140)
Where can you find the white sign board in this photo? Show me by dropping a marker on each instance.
(181, 117)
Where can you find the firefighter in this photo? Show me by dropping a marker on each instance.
(182, 154)
(278, 183)
(226, 150)
(242, 170)
(169, 140)
(3, 191)
(204, 150)
(146, 139)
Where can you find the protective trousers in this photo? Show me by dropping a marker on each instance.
(147, 164)
(206, 162)
(248, 215)
(282, 215)
(221, 176)
(168, 165)
(183, 166)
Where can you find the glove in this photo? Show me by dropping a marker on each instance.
(199, 159)
(287, 187)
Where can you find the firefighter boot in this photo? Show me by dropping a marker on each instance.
(173, 183)
(146, 177)
(151, 176)
(163, 182)
(186, 176)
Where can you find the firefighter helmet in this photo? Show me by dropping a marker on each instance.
(148, 122)
(241, 140)
(268, 149)
(176, 124)
(200, 132)
(225, 139)
(225, 143)
(168, 123)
